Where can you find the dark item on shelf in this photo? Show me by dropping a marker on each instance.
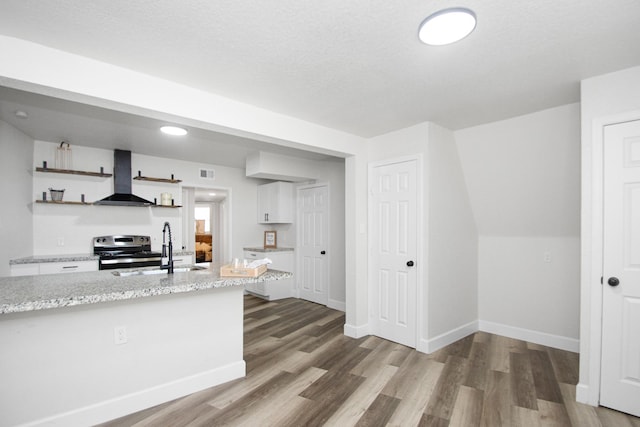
(56, 195)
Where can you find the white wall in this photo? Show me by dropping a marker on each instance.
(606, 99)
(76, 225)
(523, 176)
(448, 241)
(453, 245)
(15, 185)
(521, 292)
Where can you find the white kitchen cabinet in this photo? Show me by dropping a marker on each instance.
(53, 268)
(276, 289)
(25, 269)
(182, 260)
(275, 203)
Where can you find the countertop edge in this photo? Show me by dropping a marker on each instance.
(265, 250)
(43, 259)
(192, 284)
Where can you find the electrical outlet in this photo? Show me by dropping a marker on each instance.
(547, 256)
(120, 335)
(60, 241)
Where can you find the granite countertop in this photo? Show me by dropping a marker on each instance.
(38, 259)
(30, 293)
(261, 249)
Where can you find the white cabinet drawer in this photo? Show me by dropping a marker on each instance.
(183, 260)
(68, 267)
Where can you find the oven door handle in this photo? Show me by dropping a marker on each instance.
(128, 260)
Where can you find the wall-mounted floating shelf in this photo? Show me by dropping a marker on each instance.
(171, 180)
(62, 202)
(166, 206)
(74, 172)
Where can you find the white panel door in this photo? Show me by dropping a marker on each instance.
(313, 264)
(393, 246)
(620, 372)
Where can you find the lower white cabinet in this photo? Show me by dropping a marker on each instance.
(182, 260)
(275, 289)
(53, 268)
(25, 269)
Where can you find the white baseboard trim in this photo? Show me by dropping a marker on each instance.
(542, 338)
(142, 399)
(337, 305)
(583, 395)
(443, 340)
(356, 331)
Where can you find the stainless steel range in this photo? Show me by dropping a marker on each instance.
(125, 252)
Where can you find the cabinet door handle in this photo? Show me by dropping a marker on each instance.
(70, 266)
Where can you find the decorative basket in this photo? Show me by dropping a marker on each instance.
(56, 195)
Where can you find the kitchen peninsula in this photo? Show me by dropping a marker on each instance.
(83, 348)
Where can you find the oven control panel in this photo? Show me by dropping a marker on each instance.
(104, 243)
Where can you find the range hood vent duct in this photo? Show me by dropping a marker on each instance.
(122, 187)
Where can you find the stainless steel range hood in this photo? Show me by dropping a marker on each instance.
(123, 195)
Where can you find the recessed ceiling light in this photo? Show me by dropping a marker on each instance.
(212, 194)
(173, 130)
(447, 26)
(22, 114)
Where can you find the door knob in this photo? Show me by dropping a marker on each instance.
(323, 252)
(613, 281)
(410, 264)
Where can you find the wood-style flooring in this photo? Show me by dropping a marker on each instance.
(302, 371)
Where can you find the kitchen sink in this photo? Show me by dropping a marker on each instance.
(126, 273)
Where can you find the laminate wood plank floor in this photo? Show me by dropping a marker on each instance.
(302, 371)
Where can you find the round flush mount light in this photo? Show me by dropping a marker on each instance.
(447, 26)
(173, 130)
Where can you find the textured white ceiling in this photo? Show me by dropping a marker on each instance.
(353, 65)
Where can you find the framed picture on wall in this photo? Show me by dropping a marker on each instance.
(270, 239)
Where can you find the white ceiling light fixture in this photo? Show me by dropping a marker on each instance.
(447, 26)
(173, 130)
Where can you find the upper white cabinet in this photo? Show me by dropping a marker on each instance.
(275, 203)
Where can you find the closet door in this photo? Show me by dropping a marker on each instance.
(393, 249)
(620, 368)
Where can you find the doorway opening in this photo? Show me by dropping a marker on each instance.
(207, 223)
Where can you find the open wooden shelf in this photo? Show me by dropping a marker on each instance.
(63, 202)
(74, 172)
(166, 206)
(148, 178)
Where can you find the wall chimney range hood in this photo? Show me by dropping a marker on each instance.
(123, 195)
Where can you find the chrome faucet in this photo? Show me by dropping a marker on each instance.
(169, 265)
